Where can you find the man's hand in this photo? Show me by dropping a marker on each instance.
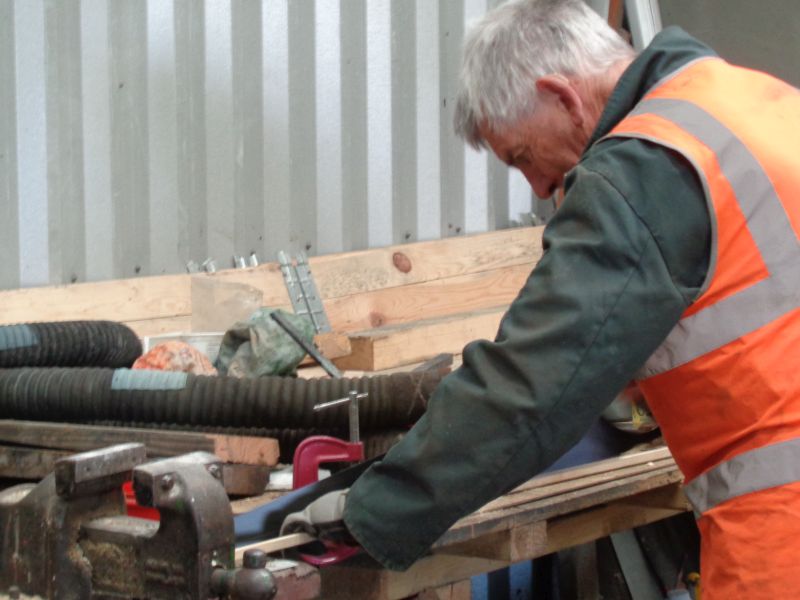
(321, 519)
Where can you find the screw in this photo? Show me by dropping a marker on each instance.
(166, 483)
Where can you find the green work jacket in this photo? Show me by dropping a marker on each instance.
(624, 256)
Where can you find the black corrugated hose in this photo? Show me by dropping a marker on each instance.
(92, 394)
(68, 344)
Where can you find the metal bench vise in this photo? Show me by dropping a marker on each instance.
(69, 535)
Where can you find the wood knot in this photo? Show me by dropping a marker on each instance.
(376, 319)
(402, 262)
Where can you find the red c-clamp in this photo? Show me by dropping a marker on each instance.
(319, 449)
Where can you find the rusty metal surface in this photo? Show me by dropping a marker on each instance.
(75, 540)
(82, 473)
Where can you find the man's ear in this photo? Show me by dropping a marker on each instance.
(564, 93)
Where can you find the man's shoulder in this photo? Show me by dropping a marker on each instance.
(624, 162)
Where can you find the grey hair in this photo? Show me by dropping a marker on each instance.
(517, 43)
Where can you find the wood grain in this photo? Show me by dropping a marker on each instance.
(119, 300)
(417, 341)
(230, 448)
(427, 300)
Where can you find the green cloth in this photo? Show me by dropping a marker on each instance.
(259, 346)
(624, 256)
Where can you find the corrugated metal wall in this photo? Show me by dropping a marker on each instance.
(138, 135)
(760, 35)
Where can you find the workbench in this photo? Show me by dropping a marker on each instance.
(399, 306)
(549, 513)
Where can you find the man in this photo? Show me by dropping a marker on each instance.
(673, 260)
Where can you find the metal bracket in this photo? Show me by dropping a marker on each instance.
(302, 290)
(644, 18)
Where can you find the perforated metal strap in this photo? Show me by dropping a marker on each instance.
(769, 225)
(753, 471)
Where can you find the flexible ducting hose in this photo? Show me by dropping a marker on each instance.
(81, 395)
(68, 344)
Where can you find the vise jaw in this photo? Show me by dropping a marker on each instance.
(69, 536)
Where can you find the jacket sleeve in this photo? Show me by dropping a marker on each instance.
(595, 307)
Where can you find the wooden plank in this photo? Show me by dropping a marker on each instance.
(291, 540)
(360, 578)
(230, 448)
(431, 299)
(163, 304)
(479, 524)
(245, 449)
(28, 463)
(346, 274)
(244, 480)
(555, 490)
(602, 521)
(365, 579)
(333, 344)
(311, 372)
(461, 590)
(508, 545)
(265, 279)
(119, 300)
(643, 457)
(409, 343)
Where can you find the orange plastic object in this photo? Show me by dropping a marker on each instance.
(134, 508)
(176, 356)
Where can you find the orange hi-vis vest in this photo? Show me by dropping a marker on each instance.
(725, 384)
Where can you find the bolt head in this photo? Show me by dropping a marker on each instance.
(254, 559)
(166, 483)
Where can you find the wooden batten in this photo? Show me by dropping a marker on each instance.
(355, 286)
(595, 501)
(357, 272)
(414, 342)
(428, 300)
(126, 300)
(78, 438)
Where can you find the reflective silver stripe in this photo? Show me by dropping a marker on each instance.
(766, 218)
(769, 225)
(753, 471)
